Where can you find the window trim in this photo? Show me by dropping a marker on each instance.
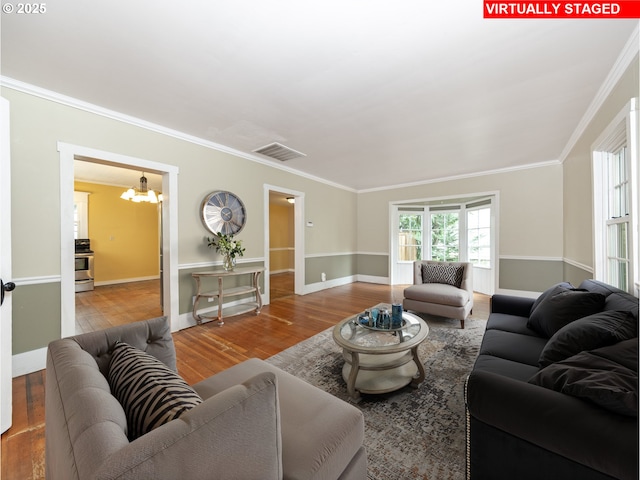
(623, 130)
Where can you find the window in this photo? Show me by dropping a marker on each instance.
(80, 215)
(618, 219)
(445, 234)
(410, 237)
(615, 163)
(479, 237)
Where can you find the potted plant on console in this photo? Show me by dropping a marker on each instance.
(227, 247)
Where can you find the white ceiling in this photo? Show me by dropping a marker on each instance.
(375, 93)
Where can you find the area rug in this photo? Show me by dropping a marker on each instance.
(411, 433)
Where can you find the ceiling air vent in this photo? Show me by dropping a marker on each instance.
(279, 152)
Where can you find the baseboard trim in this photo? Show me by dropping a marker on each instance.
(336, 282)
(125, 280)
(28, 362)
(373, 279)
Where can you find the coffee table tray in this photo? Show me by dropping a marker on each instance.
(404, 324)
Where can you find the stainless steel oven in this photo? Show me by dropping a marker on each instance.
(84, 265)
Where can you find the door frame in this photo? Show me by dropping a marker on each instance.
(6, 327)
(298, 219)
(69, 153)
(396, 275)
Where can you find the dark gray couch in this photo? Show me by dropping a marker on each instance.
(527, 422)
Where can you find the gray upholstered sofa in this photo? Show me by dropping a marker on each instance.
(255, 421)
(441, 288)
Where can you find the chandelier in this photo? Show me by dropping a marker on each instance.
(143, 194)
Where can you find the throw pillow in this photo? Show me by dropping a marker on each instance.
(150, 393)
(442, 273)
(563, 307)
(602, 376)
(594, 331)
(557, 288)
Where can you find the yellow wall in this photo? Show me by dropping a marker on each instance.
(124, 235)
(281, 238)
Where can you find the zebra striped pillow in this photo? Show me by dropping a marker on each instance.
(150, 392)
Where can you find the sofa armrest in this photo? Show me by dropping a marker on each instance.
(568, 426)
(511, 305)
(234, 434)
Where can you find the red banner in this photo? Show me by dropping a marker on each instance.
(519, 9)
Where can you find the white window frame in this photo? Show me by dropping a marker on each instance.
(410, 211)
(621, 132)
(485, 206)
(462, 240)
(81, 217)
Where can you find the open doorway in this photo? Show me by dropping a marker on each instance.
(122, 239)
(169, 214)
(289, 244)
(281, 245)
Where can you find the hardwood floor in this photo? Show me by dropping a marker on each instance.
(281, 285)
(110, 305)
(201, 351)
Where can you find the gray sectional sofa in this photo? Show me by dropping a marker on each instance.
(252, 421)
(553, 393)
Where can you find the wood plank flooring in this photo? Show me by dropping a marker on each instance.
(110, 305)
(202, 350)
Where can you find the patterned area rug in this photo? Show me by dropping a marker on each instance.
(411, 433)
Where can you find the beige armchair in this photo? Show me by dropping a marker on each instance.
(441, 288)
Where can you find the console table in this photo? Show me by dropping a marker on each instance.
(221, 293)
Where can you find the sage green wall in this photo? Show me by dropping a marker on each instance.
(578, 181)
(33, 308)
(334, 266)
(38, 124)
(529, 275)
(574, 274)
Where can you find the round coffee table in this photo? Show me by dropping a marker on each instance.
(379, 361)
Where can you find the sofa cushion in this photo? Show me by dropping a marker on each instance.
(563, 306)
(504, 367)
(510, 323)
(607, 376)
(442, 273)
(320, 433)
(594, 331)
(512, 346)
(439, 293)
(150, 393)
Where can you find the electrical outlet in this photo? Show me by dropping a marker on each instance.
(323, 277)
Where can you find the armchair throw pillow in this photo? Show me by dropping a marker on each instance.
(442, 273)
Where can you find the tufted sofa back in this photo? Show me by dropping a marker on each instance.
(85, 423)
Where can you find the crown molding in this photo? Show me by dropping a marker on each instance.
(45, 94)
(482, 173)
(626, 57)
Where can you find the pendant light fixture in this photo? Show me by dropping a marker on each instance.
(140, 195)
